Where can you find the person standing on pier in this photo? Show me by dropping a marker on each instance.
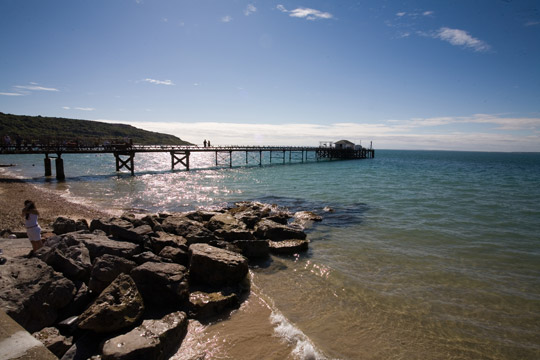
(30, 214)
(204, 143)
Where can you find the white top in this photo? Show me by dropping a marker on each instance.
(31, 221)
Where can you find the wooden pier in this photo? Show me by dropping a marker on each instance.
(124, 154)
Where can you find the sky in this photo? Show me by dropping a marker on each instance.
(434, 75)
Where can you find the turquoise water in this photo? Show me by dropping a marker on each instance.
(426, 255)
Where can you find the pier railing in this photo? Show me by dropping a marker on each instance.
(124, 154)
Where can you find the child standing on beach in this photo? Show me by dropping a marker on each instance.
(30, 214)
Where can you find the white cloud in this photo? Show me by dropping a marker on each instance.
(66, 107)
(250, 9)
(85, 108)
(400, 14)
(158, 82)
(397, 134)
(281, 8)
(226, 19)
(11, 94)
(34, 88)
(461, 38)
(305, 13)
(428, 13)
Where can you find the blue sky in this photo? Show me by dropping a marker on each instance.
(404, 74)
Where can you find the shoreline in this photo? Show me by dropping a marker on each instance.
(228, 338)
(14, 191)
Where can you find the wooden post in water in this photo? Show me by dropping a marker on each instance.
(47, 163)
(127, 163)
(60, 168)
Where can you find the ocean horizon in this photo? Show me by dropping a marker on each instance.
(420, 255)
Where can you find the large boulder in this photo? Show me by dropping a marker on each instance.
(72, 261)
(287, 247)
(268, 229)
(162, 239)
(119, 306)
(206, 305)
(253, 249)
(32, 293)
(99, 245)
(63, 225)
(106, 268)
(216, 267)
(162, 284)
(154, 339)
(176, 255)
(192, 231)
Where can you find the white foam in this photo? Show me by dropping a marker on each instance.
(303, 347)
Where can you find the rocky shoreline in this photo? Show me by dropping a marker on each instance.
(125, 287)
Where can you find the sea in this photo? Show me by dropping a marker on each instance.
(420, 254)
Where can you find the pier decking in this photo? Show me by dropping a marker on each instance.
(125, 154)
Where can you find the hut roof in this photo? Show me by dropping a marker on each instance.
(344, 142)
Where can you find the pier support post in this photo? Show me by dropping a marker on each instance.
(184, 159)
(125, 163)
(47, 163)
(60, 168)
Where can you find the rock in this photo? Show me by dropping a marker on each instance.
(216, 267)
(200, 215)
(253, 249)
(268, 229)
(280, 217)
(292, 246)
(162, 284)
(32, 293)
(106, 268)
(99, 245)
(64, 225)
(80, 301)
(54, 341)
(224, 221)
(192, 231)
(234, 234)
(154, 339)
(205, 305)
(175, 255)
(148, 256)
(157, 243)
(119, 306)
(306, 218)
(72, 261)
(87, 347)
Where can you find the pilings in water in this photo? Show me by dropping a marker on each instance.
(125, 162)
(182, 159)
(59, 165)
(224, 156)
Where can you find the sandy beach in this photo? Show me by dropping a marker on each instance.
(14, 192)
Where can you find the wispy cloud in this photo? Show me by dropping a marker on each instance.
(250, 9)
(158, 82)
(10, 94)
(415, 14)
(305, 13)
(78, 108)
(34, 88)
(459, 37)
(226, 19)
(532, 23)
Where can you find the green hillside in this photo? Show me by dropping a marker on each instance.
(51, 129)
